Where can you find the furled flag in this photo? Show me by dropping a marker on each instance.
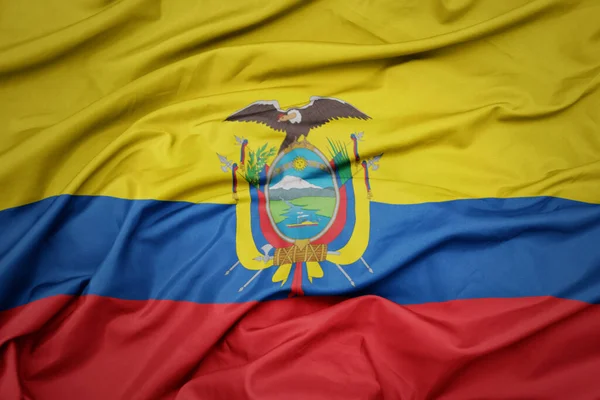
(391, 199)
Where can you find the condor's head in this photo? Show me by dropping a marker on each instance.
(292, 116)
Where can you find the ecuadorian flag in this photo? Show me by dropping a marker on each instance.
(337, 199)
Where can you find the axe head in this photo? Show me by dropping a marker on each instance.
(266, 249)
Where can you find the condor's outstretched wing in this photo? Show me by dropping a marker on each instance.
(322, 110)
(261, 112)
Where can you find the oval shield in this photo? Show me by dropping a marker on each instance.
(302, 194)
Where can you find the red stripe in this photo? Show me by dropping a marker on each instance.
(366, 169)
(234, 179)
(243, 155)
(297, 282)
(355, 147)
(300, 348)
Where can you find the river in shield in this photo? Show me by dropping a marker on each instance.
(301, 222)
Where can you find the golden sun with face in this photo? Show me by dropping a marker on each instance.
(299, 163)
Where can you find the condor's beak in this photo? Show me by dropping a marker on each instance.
(282, 118)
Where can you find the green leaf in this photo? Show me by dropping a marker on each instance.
(261, 150)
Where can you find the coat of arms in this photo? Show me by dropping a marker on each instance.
(305, 208)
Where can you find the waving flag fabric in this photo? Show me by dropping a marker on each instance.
(389, 199)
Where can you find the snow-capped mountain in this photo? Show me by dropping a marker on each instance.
(293, 187)
(294, 182)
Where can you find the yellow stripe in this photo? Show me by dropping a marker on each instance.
(128, 100)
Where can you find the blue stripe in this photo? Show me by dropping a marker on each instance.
(134, 249)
